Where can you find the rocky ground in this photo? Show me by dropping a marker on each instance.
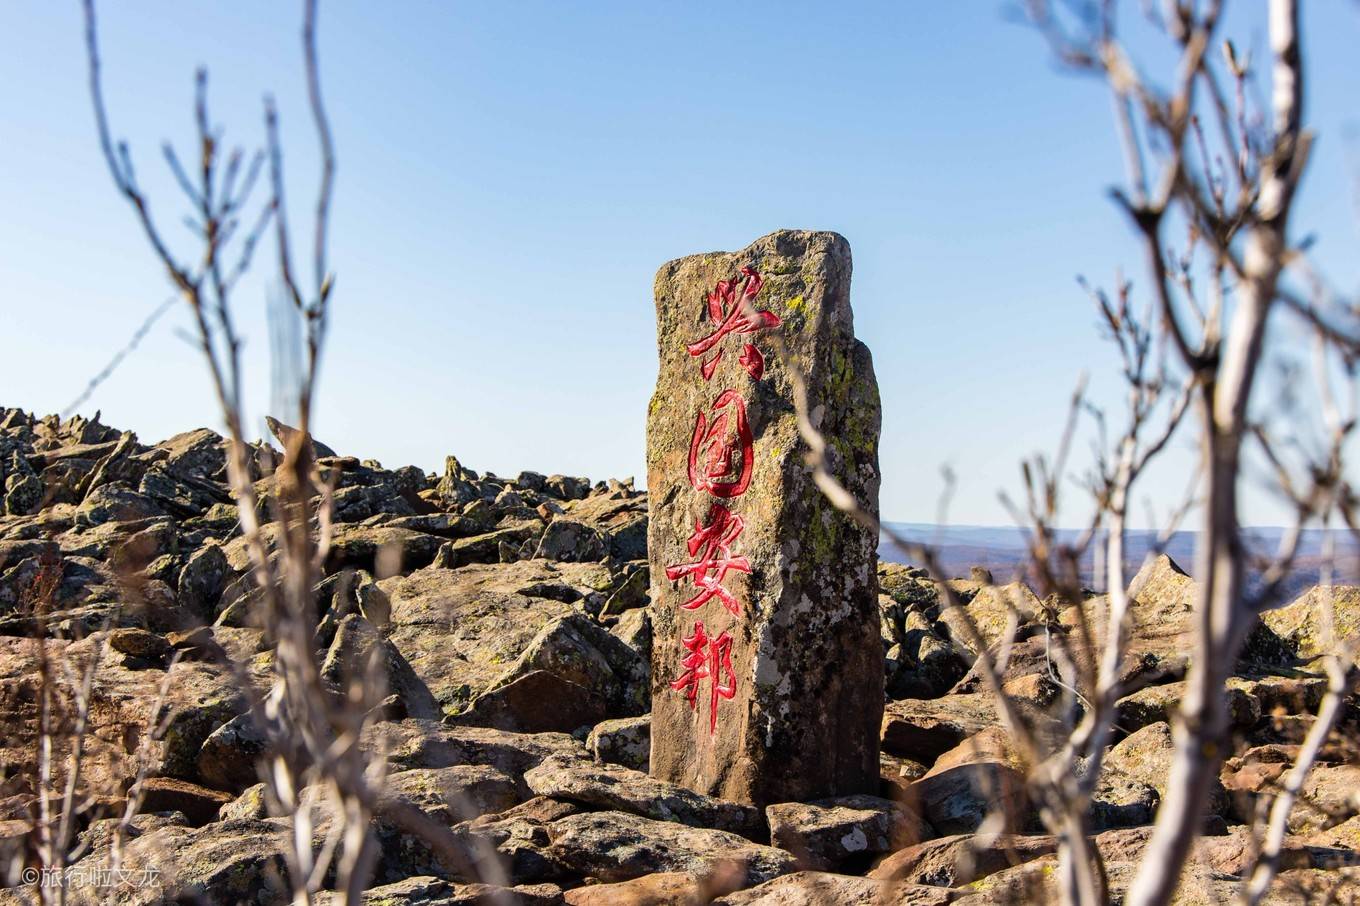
(517, 637)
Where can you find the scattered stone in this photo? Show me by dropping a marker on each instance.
(431, 891)
(515, 844)
(570, 541)
(1146, 756)
(992, 610)
(358, 546)
(231, 861)
(1158, 704)
(1330, 796)
(115, 502)
(1161, 636)
(200, 454)
(461, 629)
(618, 788)
(423, 744)
(980, 777)
(139, 643)
(616, 846)
(536, 702)
(287, 435)
(634, 629)
(253, 802)
(817, 888)
(168, 794)
(827, 834)
(1122, 801)
(202, 579)
(1304, 623)
(960, 859)
(577, 649)
(24, 494)
(928, 665)
(183, 498)
(229, 757)
(672, 887)
(360, 654)
(924, 730)
(454, 793)
(624, 741)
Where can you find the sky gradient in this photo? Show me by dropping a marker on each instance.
(512, 175)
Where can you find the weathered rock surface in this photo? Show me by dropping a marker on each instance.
(649, 890)
(960, 859)
(230, 862)
(979, 777)
(462, 629)
(626, 741)
(455, 793)
(198, 804)
(423, 744)
(816, 888)
(359, 654)
(532, 615)
(827, 834)
(1162, 629)
(1304, 623)
(991, 609)
(122, 711)
(1146, 756)
(924, 730)
(432, 891)
(616, 846)
(608, 786)
(781, 672)
(1158, 704)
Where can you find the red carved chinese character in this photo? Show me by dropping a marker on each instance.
(708, 659)
(720, 460)
(752, 360)
(732, 309)
(712, 544)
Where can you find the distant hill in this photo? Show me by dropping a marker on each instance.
(1002, 550)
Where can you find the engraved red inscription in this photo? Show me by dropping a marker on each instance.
(708, 659)
(731, 306)
(720, 452)
(711, 544)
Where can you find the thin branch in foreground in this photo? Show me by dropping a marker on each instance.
(133, 342)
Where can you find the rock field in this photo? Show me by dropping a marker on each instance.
(513, 615)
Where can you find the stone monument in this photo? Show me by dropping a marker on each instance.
(767, 663)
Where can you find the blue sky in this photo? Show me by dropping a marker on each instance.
(511, 176)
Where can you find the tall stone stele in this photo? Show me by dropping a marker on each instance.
(767, 665)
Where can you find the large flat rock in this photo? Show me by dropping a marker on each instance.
(616, 846)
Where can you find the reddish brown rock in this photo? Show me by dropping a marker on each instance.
(1312, 623)
(925, 729)
(672, 887)
(767, 675)
(828, 834)
(961, 859)
(167, 794)
(611, 786)
(818, 888)
(616, 846)
(981, 776)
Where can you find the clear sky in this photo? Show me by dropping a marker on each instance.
(512, 174)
